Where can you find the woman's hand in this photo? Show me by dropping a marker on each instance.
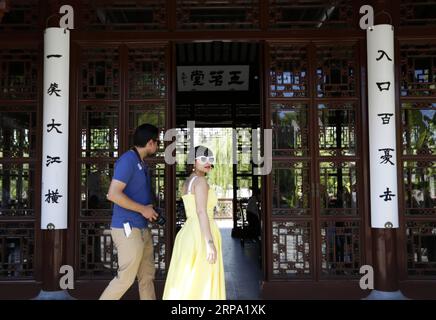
(210, 252)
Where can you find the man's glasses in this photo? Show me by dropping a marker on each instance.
(204, 159)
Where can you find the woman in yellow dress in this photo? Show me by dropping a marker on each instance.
(196, 269)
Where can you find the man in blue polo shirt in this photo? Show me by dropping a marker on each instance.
(130, 191)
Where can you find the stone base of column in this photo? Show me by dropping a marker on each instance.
(386, 295)
(54, 295)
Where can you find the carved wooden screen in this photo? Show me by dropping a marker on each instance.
(314, 105)
(418, 156)
(226, 14)
(418, 13)
(119, 88)
(121, 15)
(19, 162)
(311, 14)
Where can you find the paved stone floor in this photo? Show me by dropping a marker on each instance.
(241, 265)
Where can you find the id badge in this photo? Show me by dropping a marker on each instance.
(127, 229)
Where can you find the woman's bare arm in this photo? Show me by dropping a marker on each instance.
(201, 195)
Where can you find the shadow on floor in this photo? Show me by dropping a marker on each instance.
(241, 265)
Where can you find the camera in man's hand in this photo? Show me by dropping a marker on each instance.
(161, 220)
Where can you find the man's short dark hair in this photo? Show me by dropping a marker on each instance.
(144, 133)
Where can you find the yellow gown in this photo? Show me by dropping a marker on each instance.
(190, 276)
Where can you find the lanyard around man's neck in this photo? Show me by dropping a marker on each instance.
(141, 161)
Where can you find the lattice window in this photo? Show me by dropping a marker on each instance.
(418, 13)
(100, 73)
(98, 255)
(99, 131)
(290, 129)
(419, 128)
(17, 189)
(418, 70)
(23, 15)
(310, 14)
(95, 181)
(147, 73)
(17, 250)
(338, 188)
(159, 234)
(421, 248)
(18, 73)
(288, 71)
(17, 131)
(336, 71)
(341, 248)
(337, 129)
(291, 189)
(148, 112)
(210, 14)
(291, 249)
(243, 154)
(96, 250)
(420, 187)
(132, 15)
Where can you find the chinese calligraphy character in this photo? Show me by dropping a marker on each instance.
(54, 56)
(53, 89)
(385, 117)
(217, 77)
(53, 125)
(184, 77)
(51, 160)
(386, 157)
(383, 85)
(197, 76)
(387, 195)
(234, 78)
(52, 196)
(383, 54)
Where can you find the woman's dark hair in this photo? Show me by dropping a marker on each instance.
(198, 152)
(144, 133)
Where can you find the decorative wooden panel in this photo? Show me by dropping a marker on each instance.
(421, 248)
(310, 14)
(290, 129)
(337, 129)
(17, 184)
(17, 131)
(341, 248)
(338, 188)
(291, 249)
(147, 73)
(210, 14)
(132, 15)
(17, 250)
(420, 187)
(18, 73)
(100, 73)
(99, 131)
(23, 15)
(288, 72)
(418, 69)
(336, 68)
(291, 189)
(418, 13)
(419, 127)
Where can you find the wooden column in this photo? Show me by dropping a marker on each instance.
(384, 249)
(53, 241)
